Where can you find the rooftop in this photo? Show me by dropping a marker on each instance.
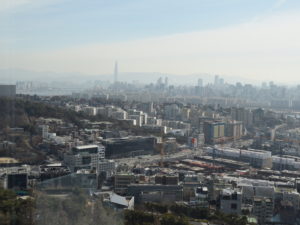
(86, 146)
(7, 160)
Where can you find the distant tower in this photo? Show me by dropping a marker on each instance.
(159, 81)
(221, 81)
(116, 72)
(200, 82)
(166, 81)
(216, 80)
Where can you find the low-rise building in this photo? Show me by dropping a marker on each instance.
(156, 193)
(256, 158)
(106, 166)
(201, 197)
(118, 202)
(129, 146)
(231, 201)
(121, 182)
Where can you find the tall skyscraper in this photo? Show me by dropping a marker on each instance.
(216, 80)
(221, 81)
(116, 72)
(166, 81)
(200, 82)
(159, 81)
(214, 131)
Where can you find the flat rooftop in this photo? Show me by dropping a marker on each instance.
(86, 146)
(7, 160)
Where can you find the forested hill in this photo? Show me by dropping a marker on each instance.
(19, 112)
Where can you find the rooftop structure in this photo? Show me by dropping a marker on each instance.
(84, 157)
(231, 201)
(129, 146)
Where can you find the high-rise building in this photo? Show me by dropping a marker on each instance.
(146, 107)
(108, 167)
(159, 81)
(166, 81)
(116, 72)
(263, 209)
(44, 131)
(214, 131)
(216, 80)
(258, 115)
(200, 82)
(185, 114)
(122, 181)
(171, 111)
(84, 157)
(234, 129)
(221, 81)
(242, 114)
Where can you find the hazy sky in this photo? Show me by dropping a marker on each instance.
(248, 38)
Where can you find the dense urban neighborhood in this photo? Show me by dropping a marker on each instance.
(157, 154)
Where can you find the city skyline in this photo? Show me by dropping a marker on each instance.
(164, 112)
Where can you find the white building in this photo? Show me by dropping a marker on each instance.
(84, 157)
(285, 163)
(119, 202)
(140, 117)
(249, 192)
(106, 166)
(257, 158)
(119, 115)
(45, 131)
(137, 118)
(154, 121)
(201, 197)
(91, 111)
(231, 201)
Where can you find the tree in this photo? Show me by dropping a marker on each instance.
(138, 218)
(14, 210)
(170, 219)
(76, 209)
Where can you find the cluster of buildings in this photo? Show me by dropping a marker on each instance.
(208, 126)
(175, 150)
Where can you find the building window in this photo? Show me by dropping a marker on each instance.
(86, 160)
(233, 206)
